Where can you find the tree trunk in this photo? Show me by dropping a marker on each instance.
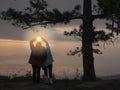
(88, 59)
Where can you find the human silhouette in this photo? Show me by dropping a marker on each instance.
(37, 58)
(48, 65)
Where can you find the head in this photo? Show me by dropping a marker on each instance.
(38, 44)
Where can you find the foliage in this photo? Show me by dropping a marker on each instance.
(111, 10)
(98, 36)
(37, 14)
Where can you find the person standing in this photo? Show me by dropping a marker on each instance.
(37, 58)
(48, 65)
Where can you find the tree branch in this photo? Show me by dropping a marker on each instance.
(98, 16)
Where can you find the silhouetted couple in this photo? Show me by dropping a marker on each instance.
(41, 57)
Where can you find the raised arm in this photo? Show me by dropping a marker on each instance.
(31, 44)
(45, 41)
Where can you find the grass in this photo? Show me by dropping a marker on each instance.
(25, 83)
(16, 82)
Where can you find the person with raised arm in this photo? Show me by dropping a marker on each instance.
(37, 57)
(48, 65)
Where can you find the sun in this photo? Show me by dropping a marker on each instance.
(39, 39)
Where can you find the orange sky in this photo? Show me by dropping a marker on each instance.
(14, 57)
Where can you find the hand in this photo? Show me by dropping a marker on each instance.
(44, 40)
(32, 40)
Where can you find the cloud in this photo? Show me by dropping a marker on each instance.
(7, 31)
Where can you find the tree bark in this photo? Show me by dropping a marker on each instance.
(88, 58)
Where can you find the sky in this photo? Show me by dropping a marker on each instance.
(7, 31)
(16, 39)
(10, 32)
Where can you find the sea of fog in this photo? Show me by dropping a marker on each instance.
(14, 57)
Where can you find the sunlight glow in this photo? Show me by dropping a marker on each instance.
(38, 38)
(39, 31)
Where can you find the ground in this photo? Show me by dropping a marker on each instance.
(25, 83)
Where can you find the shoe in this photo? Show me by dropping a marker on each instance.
(51, 81)
(45, 79)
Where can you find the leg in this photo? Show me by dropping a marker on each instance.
(38, 73)
(51, 81)
(34, 72)
(50, 71)
(45, 71)
(45, 77)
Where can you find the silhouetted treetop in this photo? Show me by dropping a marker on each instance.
(111, 10)
(37, 14)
